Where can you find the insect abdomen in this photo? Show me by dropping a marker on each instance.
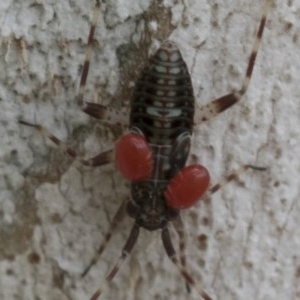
(163, 102)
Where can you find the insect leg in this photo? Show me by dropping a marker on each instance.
(88, 54)
(109, 115)
(125, 252)
(178, 225)
(98, 160)
(212, 109)
(119, 216)
(235, 174)
(168, 245)
(106, 114)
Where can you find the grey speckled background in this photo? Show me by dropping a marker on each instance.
(243, 245)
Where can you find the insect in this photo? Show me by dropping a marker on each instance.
(152, 154)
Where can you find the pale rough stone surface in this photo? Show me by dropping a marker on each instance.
(53, 214)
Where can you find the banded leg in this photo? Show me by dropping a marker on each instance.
(117, 219)
(212, 109)
(235, 174)
(178, 225)
(168, 245)
(125, 252)
(106, 114)
(98, 160)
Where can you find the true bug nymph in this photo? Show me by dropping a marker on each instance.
(153, 153)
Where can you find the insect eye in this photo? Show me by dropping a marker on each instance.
(134, 157)
(187, 187)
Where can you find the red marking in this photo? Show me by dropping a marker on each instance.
(187, 187)
(134, 157)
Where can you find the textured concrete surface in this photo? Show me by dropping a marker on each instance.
(243, 244)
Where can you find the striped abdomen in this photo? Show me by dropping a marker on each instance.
(163, 102)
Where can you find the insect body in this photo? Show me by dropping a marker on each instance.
(162, 111)
(154, 152)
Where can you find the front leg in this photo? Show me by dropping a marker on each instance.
(215, 107)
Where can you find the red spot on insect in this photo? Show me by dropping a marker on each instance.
(187, 187)
(134, 157)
